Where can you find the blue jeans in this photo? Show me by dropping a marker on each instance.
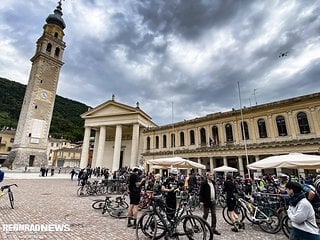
(297, 234)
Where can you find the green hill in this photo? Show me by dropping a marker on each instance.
(66, 120)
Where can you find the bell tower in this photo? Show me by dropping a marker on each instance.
(31, 139)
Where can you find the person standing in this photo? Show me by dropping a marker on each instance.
(134, 196)
(301, 214)
(170, 186)
(230, 189)
(207, 197)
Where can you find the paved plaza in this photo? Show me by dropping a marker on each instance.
(53, 201)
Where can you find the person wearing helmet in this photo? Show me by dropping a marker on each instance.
(170, 186)
(301, 214)
(134, 195)
(207, 197)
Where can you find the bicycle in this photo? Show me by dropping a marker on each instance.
(9, 192)
(116, 207)
(99, 203)
(154, 224)
(267, 218)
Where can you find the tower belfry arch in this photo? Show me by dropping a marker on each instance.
(31, 139)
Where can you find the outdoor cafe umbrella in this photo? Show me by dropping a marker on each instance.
(291, 160)
(177, 162)
(225, 169)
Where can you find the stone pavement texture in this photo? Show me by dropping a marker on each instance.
(54, 201)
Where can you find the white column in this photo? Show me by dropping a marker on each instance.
(117, 149)
(225, 161)
(200, 170)
(95, 149)
(101, 144)
(85, 148)
(211, 164)
(241, 169)
(134, 146)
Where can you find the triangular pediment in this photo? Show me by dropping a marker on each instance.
(110, 108)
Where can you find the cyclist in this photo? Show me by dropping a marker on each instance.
(230, 189)
(170, 186)
(134, 195)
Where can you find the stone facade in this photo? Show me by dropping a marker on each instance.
(281, 127)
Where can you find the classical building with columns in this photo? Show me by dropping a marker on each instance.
(125, 135)
(117, 129)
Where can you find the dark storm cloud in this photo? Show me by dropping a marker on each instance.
(185, 53)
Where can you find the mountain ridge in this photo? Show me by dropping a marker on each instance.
(66, 121)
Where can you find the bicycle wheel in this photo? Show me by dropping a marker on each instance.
(81, 192)
(190, 227)
(269, 220)
(146, 227)
(239, 212)
(286, 226)
(98, 204)
(117, 212)
(10, 194)
(208, 229)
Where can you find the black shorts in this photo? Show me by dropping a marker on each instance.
(134, 198)
(231, 203)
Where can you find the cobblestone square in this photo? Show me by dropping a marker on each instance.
(54, 201)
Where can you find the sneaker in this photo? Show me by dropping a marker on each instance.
(234, 229)
(1, 193)
(242, 226)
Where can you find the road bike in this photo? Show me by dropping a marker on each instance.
(7, 189)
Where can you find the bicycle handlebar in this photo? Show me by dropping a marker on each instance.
(8, 186)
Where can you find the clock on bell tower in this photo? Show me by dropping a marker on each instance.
(31, 139)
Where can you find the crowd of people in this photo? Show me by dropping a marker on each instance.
(303, 194)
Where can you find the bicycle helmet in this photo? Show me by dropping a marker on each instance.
(317, 183)
(174, 171)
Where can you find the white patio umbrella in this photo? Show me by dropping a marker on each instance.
(177, 162)
(291, 160)
(225, 169)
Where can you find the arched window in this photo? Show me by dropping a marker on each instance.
(57, 52)
(215, 135)
(229, 134)
(244, 130)
(281, 125)
(303, 123)
(173, 140)
(157, 142)
(181, 138)
(148, 143)
(262, 128)
(192, 139)
(56, 35)
(164, 141)
(49, 47)
(203, 138)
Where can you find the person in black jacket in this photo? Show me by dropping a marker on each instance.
(230, 189)
(208, 200)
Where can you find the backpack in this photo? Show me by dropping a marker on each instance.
(1, 175)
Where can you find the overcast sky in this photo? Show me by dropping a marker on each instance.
(191, 53)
